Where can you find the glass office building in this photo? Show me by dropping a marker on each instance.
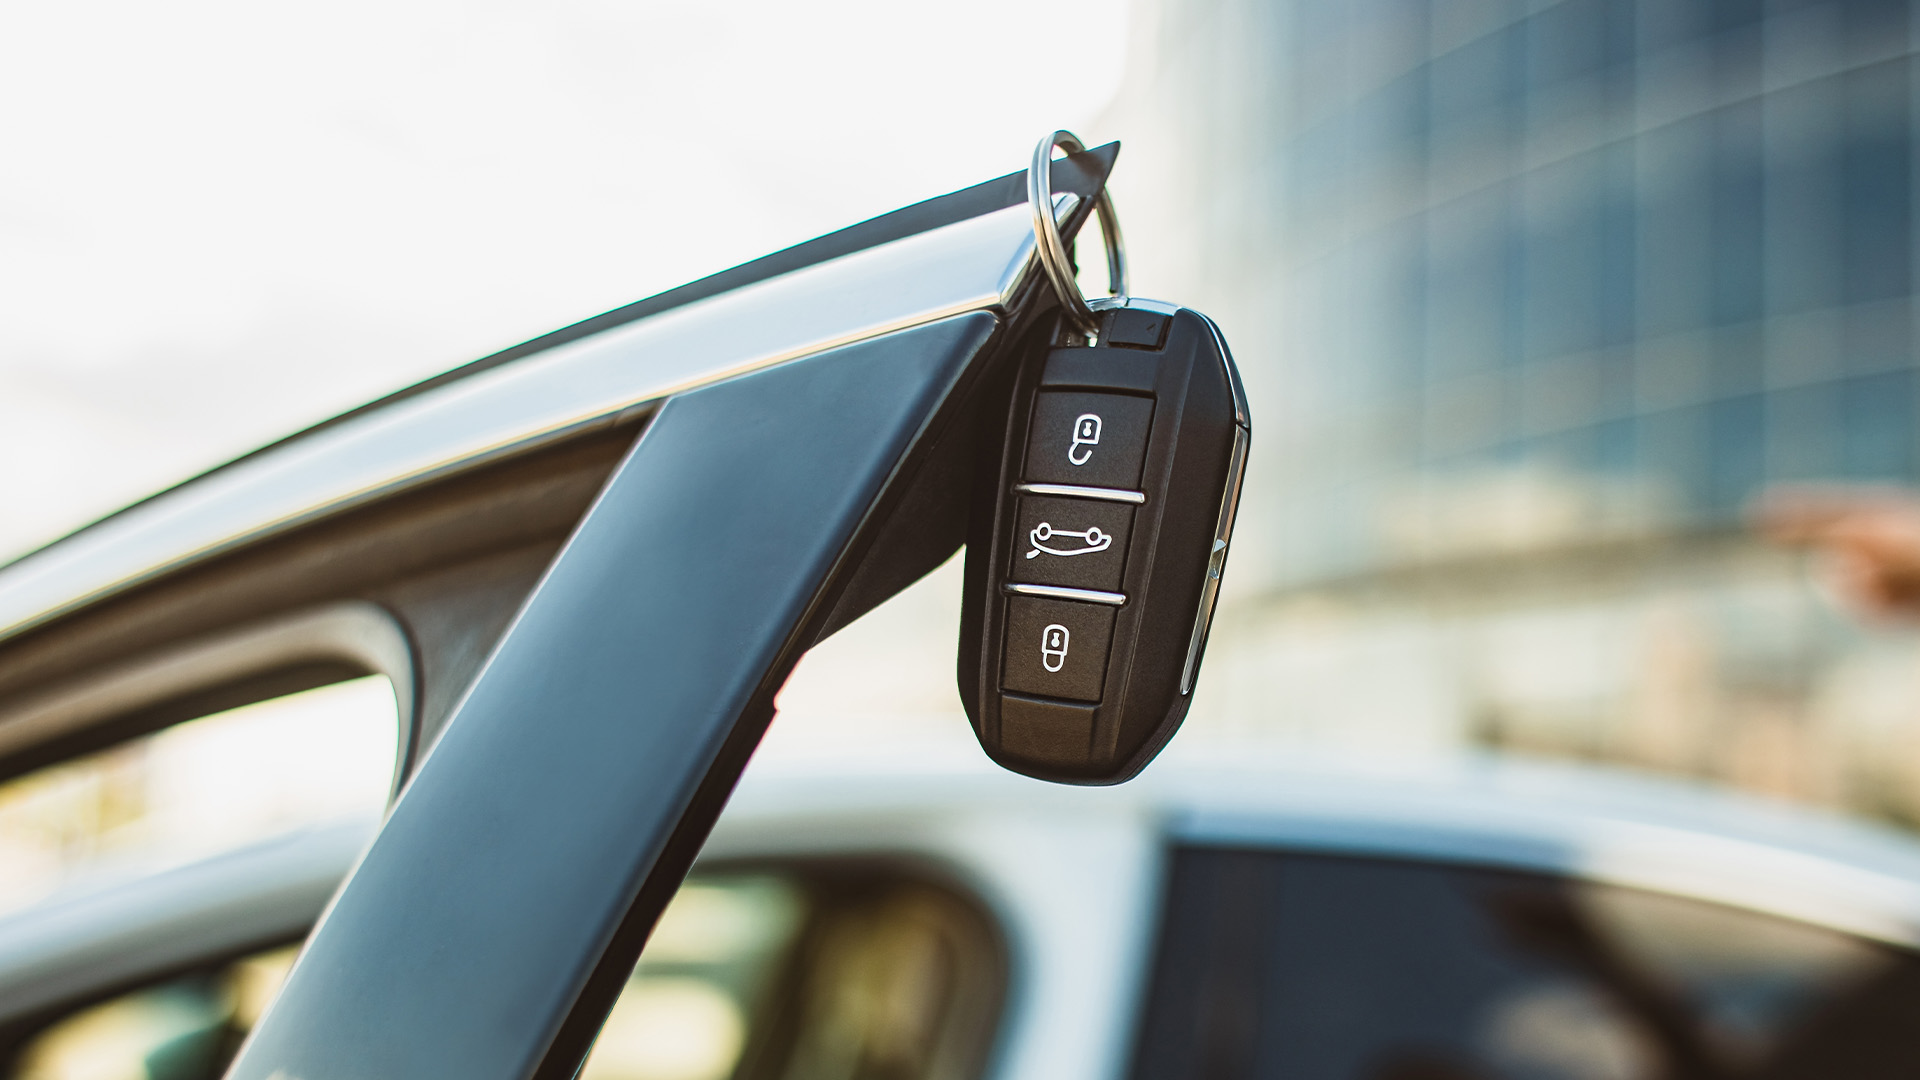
(1533, 299)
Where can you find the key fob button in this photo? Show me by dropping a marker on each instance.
(1092, 440)
(1032, 729)
(1056, 648)
(1078, 543)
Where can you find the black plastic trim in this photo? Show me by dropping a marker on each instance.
(492, 923)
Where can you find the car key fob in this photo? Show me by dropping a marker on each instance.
(1094, 564)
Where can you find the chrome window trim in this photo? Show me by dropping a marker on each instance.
(971, 265)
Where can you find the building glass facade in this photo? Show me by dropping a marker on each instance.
(1533, 299)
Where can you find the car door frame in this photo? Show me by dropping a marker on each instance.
(955, 269)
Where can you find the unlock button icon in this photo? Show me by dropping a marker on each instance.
(1089, 440)
(1086, 436)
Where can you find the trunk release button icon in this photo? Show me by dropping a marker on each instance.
(1092, 540)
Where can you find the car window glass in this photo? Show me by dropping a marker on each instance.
(1275, 965)
(801, 972)
(1748, 981)
(207, 785)
(684, 1012)
(839, 975)
(901, 987)
(183, 1029)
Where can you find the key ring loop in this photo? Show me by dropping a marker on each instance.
(1046, 233)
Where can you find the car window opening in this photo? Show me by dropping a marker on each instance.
(189, 791)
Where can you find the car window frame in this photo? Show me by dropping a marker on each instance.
(301, 650)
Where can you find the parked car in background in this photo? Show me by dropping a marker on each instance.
(916, 915)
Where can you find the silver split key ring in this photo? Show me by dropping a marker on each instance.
(1053, 250)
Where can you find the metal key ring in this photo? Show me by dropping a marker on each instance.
(1046, 233)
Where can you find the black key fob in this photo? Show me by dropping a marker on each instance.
(1094, 563)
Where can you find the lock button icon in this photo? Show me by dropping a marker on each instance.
(1056, 648)
(1053, 647)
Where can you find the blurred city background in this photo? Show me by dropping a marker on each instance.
(1532, 299)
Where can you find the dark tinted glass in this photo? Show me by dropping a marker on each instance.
(1334, 968)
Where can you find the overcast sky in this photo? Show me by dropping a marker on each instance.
(223, 221)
